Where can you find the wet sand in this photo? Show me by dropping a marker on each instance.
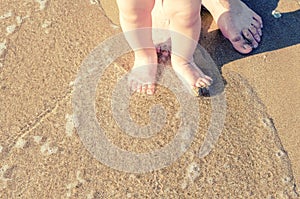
(43, 44)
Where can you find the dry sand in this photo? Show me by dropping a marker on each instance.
(42, 46)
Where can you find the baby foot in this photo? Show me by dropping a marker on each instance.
(237, 22)
(190, 74)
(142, 76)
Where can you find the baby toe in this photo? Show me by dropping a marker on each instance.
(144, 88)
(203, 82)
(150, 89)
(200, 84)
(133, 86)
(139, 88)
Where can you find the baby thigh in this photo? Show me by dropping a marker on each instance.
(136, 12)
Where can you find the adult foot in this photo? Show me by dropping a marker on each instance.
(237, 22)
(142, 76)
(190, 73)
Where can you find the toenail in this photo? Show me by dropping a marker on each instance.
(246, 46)
(201, 84)
(257, 37)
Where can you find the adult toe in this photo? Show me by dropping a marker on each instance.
(257, 26)
(254, 33)
(240, 44)
(258, 19)
(249, 37)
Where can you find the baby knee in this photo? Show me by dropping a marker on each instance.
(134, 15)
(186, 18)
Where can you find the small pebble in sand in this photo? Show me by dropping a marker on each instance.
(264, 57)
(69, 125)
(1, 148)
(46, 24)
(46, 149)
(184, 185)
(280, 153)
(73, 184)
(276, 14)
(193, 171)
(90, 195)
(71, 84)
(78, 174)
(42, 3)
(2, 48)
(20, 143)
(11, 29)
(287, 179)
(114, 26)
(6, 15)
(19, 20)
(37, 138)
(2, 170)
(210, 180)
(70, 186)
(268, 122)
(270, 197)
(94, 2)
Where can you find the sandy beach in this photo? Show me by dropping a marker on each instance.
(44, 152)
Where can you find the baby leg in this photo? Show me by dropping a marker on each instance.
(136, 22)
(185, 26)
